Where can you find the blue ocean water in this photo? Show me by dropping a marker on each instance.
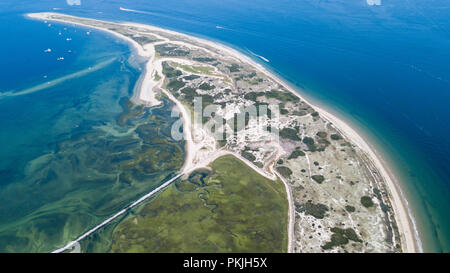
(385, 69)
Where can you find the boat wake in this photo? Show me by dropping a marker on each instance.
(138, 11)
(259, 56)
(52, 83)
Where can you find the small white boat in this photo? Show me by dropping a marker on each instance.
(48, 50)
(60, 59)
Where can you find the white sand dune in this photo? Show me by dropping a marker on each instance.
(403, 216)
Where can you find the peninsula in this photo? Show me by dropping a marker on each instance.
(340, 195)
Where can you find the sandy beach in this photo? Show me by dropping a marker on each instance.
(410, 240)
(402, 214)
(406, 224)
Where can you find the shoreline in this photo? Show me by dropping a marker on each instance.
(404, 219)
(402, 214)
(402, 211)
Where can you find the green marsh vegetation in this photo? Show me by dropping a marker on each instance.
(228, 208)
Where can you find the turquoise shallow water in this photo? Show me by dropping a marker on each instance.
(382, 68)
(74, 150)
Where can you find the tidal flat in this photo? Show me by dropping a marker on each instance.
(89, 173)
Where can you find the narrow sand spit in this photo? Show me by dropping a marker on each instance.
(403, 216)
(404, 221)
